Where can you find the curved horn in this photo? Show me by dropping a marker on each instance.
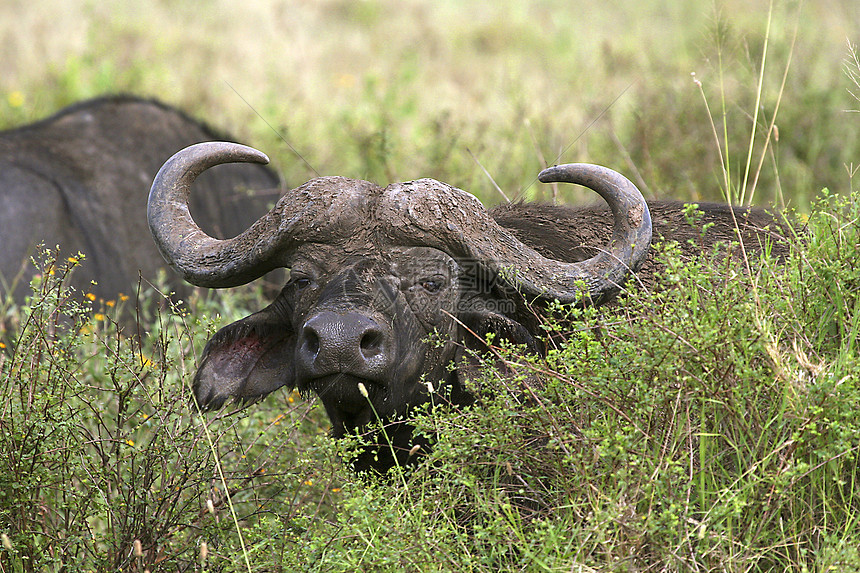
(631, 231)
(321, 210)
(430, 213)
(201, 259)
(423, 212)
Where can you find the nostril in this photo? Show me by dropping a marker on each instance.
(312, 342)
(371, 343)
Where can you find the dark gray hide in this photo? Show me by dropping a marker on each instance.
(375, 271)
(575, 233)
(80, 179)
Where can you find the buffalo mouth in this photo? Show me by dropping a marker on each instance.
(350, 401)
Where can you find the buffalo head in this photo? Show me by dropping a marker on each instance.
(375, 273)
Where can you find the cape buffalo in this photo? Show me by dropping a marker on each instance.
(79, 179)
(375, 271)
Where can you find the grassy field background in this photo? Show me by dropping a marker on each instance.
(707, 427)
(401, 90)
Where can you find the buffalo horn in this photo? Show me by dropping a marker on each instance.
(423, 212)
(203, 260)
(430, 213)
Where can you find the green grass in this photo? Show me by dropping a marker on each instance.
(710, 426)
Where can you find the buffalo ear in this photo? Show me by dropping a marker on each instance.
(475, 327)
(245, 361)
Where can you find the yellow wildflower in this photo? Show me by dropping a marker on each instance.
(110, 303)
(346, 81)
(123, 297)
(90, 296)
(130, 443)
(15, 99)
(99, 316)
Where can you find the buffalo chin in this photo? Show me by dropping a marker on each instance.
(344, 403)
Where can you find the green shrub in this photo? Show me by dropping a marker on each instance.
(707, 424)
(105, 465)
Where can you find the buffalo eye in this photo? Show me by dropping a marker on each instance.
(431, 285)
(300, 281)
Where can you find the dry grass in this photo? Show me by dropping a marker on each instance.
(400, 90)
